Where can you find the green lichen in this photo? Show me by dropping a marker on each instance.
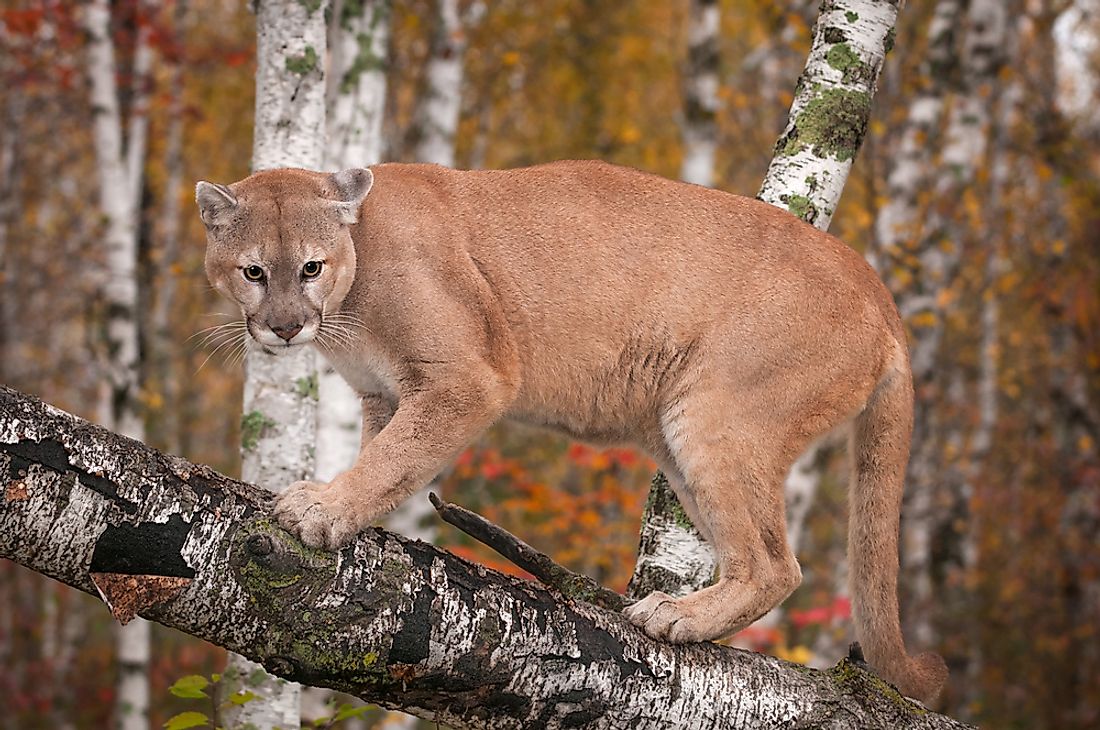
(311, 6)
(891, 36)
(851, 16)
(801, 206)
(307, 387)
(253, 425)
(844, 59)
(303, 64)
(833, 124)
(662, 500)
(855, 679)
(366, 60)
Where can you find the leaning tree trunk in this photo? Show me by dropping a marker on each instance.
(396, 622)
(278, 425)
(120, 180)
(826, 126)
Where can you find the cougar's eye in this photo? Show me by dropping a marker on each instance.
(253, 273)
(311, 269)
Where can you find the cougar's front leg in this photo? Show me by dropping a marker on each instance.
(433, 422)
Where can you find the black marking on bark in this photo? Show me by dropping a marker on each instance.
(212, 489)
(833, 34)
(410, 644)
(591, 708)
(51, 454)
(147, 548)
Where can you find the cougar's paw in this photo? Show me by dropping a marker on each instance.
(665, 618)
(317, 514)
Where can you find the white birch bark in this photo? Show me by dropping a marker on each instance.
(831, 108)
(358, 46)
(699, 129)
(120, 179)
(438, 110)
(911, 167)
(280, 407)
(396, 622)
(170, 220)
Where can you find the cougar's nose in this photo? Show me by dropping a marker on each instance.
(286, 331)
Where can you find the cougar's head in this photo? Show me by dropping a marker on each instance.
(279, 245)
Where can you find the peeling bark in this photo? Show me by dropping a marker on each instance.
(396, 622)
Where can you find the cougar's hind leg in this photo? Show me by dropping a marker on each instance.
(733, 464)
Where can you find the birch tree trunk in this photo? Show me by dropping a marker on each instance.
(279, 423)
(396, 622)
(699, 129)
(163, 336)
(120, 180)
(438, 110)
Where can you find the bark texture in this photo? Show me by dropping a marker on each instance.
(396, 622)
(831, 108)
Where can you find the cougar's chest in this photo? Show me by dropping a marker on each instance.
(366, 370)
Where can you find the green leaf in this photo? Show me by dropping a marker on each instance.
(243, 697)
(190, 686)
(185, 720)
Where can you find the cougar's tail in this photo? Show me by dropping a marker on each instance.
(880, 452)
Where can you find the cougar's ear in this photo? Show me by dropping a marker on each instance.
(216, 203)
(352, 185)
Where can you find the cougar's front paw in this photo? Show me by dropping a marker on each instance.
(664, 618)
(317, 514)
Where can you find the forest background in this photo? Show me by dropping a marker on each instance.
(975, 195)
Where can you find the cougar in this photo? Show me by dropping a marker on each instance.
(717, 333)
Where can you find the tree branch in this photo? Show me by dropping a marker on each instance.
(542, 566)
(396, 622)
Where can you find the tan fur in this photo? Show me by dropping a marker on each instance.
(716, 332)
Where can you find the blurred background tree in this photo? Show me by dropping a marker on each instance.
(976, 195)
